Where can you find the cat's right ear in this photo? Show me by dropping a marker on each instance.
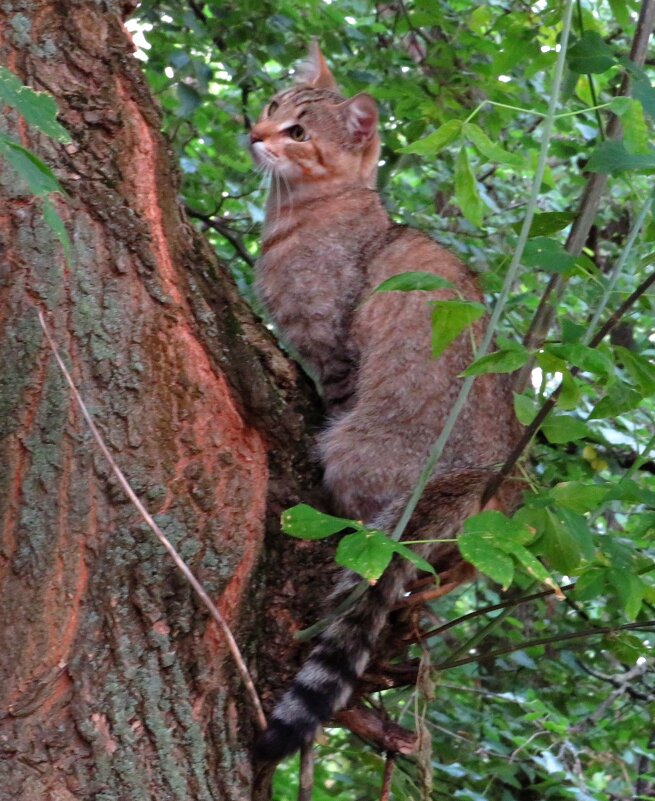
(315, 71)
(361, 117)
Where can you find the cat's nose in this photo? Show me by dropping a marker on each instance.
(255, 137)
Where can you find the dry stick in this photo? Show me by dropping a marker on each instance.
(180, 563)
(530, 430)
(588, 206)
(306, 784)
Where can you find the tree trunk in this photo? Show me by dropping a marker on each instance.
(114, 685)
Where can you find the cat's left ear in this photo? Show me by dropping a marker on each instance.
(315, 70)
(361, 117)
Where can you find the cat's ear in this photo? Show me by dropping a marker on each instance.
(315, 71)
(361, 117)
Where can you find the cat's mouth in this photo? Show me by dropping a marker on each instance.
(263, 157)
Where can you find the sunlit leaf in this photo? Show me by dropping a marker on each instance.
(466, 193)
(366, 552)
(436, 141)
(501, 361)
(306, 523)
(449, 319)
(411, 281)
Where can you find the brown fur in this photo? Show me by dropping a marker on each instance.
(327, 243)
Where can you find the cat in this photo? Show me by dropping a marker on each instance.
(327, 243)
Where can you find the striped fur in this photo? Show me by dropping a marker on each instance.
(327, 243)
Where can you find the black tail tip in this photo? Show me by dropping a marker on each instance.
(280, 740)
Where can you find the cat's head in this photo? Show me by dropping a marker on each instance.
(311, 134)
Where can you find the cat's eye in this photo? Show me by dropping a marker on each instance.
(273, 107)
(297, 133)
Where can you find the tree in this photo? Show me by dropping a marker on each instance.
(138, 698)
(115, 684)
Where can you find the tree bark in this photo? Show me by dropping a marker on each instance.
(113, 683)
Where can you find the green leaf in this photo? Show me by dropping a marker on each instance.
(449, 319)
(640, 87)
(418, 561)
(629, 590)
(498, 529)
(466, 192)
(547, 254)
(306, 523)
(559, 545)
(492, 151)
(638, 367)
(620, 12)
(611, 156)
(628, 490)
(189, 99)
(548, 222)
(569, 396)
(436, 141)
(572, 331)
(38, 176)
(529, 562)
(525, 409)
(635, 130)
(590, 54)
(579, 528)
(56, 225)
(486, 557)
(38, 108)
(411, 281)
(583, 357)
(626, 647)
(560, 428)
(366, 552)
(578, 496)
(590, 584)
(501, 361)
(620, 399)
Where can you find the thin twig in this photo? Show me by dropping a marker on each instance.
(387, 776)
(511, 603)
(225, 231)
(647, 625)
(180, 563)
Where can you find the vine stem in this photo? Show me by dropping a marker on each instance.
(512, 272)
(145, 514)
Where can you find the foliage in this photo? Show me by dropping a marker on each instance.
(39, 110)
(539, 699)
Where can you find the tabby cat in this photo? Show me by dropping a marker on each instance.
(327, 243)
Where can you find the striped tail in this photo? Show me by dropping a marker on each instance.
(328, 677)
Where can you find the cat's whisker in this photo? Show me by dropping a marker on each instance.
(289, 194)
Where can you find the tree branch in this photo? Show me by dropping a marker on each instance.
(225, 231)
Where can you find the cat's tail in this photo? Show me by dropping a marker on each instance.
(327, 679)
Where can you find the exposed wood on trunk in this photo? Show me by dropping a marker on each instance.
(113, 684)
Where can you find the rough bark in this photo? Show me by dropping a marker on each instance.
(113, 684)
